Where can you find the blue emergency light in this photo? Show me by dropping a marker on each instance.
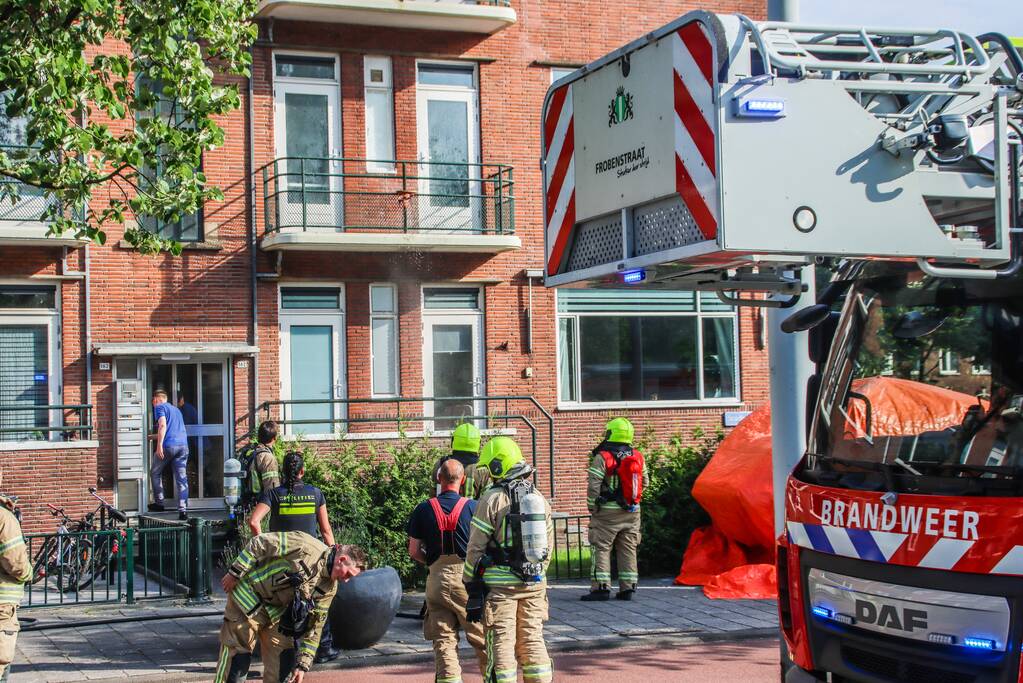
(822, 612)
(759, 108)
(633, 276)
(979, 643)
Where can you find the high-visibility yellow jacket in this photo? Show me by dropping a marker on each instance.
(262, 569)
(15, 569)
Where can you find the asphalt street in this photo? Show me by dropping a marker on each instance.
(747, 661)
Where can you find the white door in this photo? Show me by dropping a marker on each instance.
(312, 353)
(308, 169)
(450, 193)
(453, 367)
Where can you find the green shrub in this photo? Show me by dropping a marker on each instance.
(670, 513)
(370, 498)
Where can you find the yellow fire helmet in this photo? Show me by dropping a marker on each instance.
(619, 430)
(500, 456)
(466, 438)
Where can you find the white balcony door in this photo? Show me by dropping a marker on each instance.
(453, 360)
(308, 134)
(448, 131)
(312, 362)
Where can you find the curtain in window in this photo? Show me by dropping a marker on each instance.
(24, 380)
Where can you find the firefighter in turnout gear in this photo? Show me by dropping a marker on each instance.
(279, 591)
(438, 532)
(616, 478)
(15, 571)
(465, 448)
(505, 566)
(263, 472)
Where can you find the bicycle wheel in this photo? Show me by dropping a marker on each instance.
(45, 558)
(98, 563)
(76, 565)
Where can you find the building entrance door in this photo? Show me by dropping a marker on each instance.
(200, 390)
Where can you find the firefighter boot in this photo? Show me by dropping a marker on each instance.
(598, 594)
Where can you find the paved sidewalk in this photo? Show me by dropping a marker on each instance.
(185, 648)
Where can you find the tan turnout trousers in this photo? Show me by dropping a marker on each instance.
(445, 614)
(612, 527)
(9, 628)
(239, 635)
(513, 617)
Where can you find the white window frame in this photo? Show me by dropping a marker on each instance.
(560, 72)
(338, 318)
(306, 53)
(371, 62)
(979, 369)
(51, 318)
(945, 365)
(395, 339)
(477, 317)
(579, 404)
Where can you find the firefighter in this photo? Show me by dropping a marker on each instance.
(465, 448)
(274, 580)
(615, 520)
(438, 532)
(15, 571)
(263, 472)
(505, 565)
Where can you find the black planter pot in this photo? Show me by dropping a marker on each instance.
(364, 608)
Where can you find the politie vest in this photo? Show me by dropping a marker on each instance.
(447, 522)
(624, 476)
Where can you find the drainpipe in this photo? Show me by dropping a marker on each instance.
(250, 205)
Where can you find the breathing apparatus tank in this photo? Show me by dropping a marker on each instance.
(534, 527)
(232, 483)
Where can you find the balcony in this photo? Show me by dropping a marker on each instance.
(467, 16)
(24, 223)
(340, 204)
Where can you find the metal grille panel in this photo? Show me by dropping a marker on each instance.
(664, 224)
(597, 242)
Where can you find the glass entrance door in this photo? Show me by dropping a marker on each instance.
(453, 368)
(199, 390)
(449, 187)
(307, 135)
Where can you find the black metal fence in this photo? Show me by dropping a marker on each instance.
(154, 559)
(39, 422)
(571, 551)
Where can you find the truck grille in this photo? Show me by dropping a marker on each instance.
(900, 670)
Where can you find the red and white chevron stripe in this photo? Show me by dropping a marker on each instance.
(695, 127)
(560, 138)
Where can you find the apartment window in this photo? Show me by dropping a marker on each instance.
(305, 67)
(187, 228)
(628, 346)
(559, 72)
(29, 360)
(379, 95)
(948, 362)
(383, 304)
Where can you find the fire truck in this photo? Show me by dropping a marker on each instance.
(725, 155)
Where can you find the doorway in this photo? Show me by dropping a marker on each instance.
(200, 391)
(453, 354)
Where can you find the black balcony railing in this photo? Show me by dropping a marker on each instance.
(41, 422)
(360, 195)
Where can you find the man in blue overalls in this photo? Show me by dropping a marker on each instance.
(171, 449)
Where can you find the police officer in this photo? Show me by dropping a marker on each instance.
(515, 607)
(297, 506)
(438, 532)
(261, 587)
(465, 448)
(15, 571)
(614, 524)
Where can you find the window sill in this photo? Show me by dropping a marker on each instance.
(187, 246)
(648, 405)
(47, 445)
(393, 436)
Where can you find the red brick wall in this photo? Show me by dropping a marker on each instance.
(204, 295)
(59, 476)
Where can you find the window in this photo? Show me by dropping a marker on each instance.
(188, 228)
(456, 75)
(889, 365)
(328, 298)
(383, 304)
(560, 72)
(29, 366)
(451, 298)
(979, 367)
(948, 362)
(305, 67)
(379, 114)
(619, 346)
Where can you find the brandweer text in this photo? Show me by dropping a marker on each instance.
(910, 519)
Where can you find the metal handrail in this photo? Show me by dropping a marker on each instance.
(82, 410)
(342, 193)
(398, 418)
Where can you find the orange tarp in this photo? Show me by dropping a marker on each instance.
(734, 556)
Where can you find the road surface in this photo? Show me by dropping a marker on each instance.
(748, 661)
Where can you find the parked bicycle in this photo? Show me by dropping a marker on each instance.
(72, 558)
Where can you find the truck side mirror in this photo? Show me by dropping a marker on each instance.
(822, 336)
(806, 318)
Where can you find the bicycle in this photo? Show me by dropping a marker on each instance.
(70, 558)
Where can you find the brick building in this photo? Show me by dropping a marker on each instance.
(380, 237)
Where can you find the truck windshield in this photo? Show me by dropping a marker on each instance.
(923, 390)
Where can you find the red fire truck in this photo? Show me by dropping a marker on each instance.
(721, 154)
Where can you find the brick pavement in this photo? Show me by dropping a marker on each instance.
(185, 648)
